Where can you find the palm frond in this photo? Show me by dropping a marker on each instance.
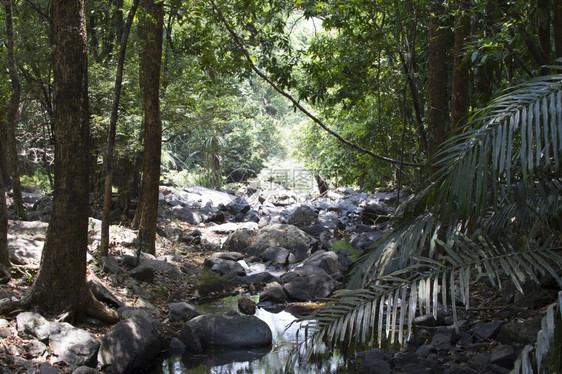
(517, 136)
(356, 318)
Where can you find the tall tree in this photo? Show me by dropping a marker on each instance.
(459, 94)
(11, 112)
(437, 92)
(108, 160)
(60, 286)
(147, 213)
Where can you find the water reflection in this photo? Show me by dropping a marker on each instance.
(265, 360)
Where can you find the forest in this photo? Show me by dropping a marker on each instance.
(459, 101)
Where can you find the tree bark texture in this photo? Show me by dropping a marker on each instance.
(460, 96)
(11, 113)
(61, 285)
(150, 65)
(4, 173)
(438, 73)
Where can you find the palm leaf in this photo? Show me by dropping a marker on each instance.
(493, 210)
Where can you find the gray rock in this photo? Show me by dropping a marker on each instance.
(326, 260)
(375, 213)
(273, 293)
(487, 330)
(238, 206)
(33, 324)
(85, 370)
(34, 348)
(303, 216)
(277, 255)
(524, 332)
(233, 256)
(130, 311)
(222, 266)
(460, 369)
(142, 274)
(72, 345)
(228, 331)
(503, 355)
(182, 311)
(442, 339)
(191, 216)
(47, 368)
(176, 347)
(290, 237)
(416, 368)
(190, 340)
(131, 344)
(110, 265)
(310, 283)
(239, 240)
(377, 366)
(425, 350)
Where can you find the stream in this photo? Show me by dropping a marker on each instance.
(269, 360)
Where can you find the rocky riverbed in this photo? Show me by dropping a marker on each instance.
(288, 248)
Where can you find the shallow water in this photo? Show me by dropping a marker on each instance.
(270, 360)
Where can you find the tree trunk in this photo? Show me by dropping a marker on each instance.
(4, 173)
(61, 284)
(4, 253)
(437, 97)
(557, 26)
(108, 160)
(543, 32)
(150, 64)
(12, 110)
(460, 97)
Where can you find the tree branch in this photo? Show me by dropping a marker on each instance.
(262, 75)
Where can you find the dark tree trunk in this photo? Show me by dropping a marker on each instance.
(108, 160)
(459, 97)
(4, 173)
(557, 26)
(150, 65)
(438, 73)
(543, 32)
(4, 253)
(61, 284)
(11, 113)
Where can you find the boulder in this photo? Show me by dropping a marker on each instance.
(233, 331)
(182, 311)
(278, 255)
(303, 216)
(238, 206)
(503, 355)
(74, 346)
(33, 324)
(326, 260)
(110, 265)
(223, 266)
(273, 293)
(375, 213)
(308, 283)
(290, 237)
(130, 345)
